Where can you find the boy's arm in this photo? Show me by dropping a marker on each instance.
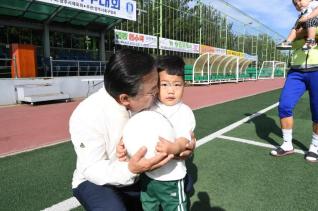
(313, 14)
(175, 148)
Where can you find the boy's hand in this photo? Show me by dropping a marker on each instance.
(165, 146)
(189, 148)
(121, 151)
(303, 19)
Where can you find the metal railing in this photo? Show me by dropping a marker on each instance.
(76, 67)
(5, 67)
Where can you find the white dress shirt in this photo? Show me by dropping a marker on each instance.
(96, 127)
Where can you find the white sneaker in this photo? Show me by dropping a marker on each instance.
(312, 154)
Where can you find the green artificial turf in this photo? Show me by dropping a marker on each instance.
(38, 179)
(266, 127)
(214, 118)
(235, 176)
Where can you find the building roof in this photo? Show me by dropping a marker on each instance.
(54, 14)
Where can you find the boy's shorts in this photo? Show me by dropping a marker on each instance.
(313, 22)
(170, 195)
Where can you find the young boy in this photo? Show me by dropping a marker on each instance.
(168, 192)
(306, 24)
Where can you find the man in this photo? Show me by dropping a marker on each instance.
(101, 181)
(302, 76)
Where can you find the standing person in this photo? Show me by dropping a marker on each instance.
(302, 76)
(306, 24)
(100, 180)
(165, 187)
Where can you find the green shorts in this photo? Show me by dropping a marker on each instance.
(169, 195)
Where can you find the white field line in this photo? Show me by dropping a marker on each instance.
(65, 205)
(234, 125)
(245, 141)
(34, 148)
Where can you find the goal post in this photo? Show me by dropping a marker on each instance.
(272, 69)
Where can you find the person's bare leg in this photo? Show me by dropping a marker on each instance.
(311, 33)
(287, 123)
(315, 127)
(292, 35)
(300, 33)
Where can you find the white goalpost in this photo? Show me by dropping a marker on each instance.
(272, 69)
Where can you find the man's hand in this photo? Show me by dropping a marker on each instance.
(139, 164)
(121, 151)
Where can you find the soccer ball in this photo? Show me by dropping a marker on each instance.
(144, 129)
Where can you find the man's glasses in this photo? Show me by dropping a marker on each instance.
(152, 94)
(175, 85)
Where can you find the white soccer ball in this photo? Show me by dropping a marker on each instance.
(144, 129)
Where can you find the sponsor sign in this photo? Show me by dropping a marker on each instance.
(206, 49)
(250, 57)
(135, 39)
(234, 53)
(125, 9)
(180, 46)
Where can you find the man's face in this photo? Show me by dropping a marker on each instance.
(146, 94)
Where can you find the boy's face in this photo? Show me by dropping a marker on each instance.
(301, 4)
(170, 88)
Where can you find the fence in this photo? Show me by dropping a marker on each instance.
(5, 67)
(199, 23)
(75, 68)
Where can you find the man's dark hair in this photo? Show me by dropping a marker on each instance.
(174, 65)
(125, 70)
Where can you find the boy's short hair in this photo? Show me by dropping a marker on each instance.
(174, 65)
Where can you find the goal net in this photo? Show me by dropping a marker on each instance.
(272, 69)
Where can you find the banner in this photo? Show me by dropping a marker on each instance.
(206, 49)
(179, 46)
(117, 8)
(234, 53)
(220, 51)
(250, 57)
(135, 39)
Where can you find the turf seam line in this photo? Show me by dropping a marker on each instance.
(255, 143)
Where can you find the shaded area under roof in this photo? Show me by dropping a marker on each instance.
(54, 14)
